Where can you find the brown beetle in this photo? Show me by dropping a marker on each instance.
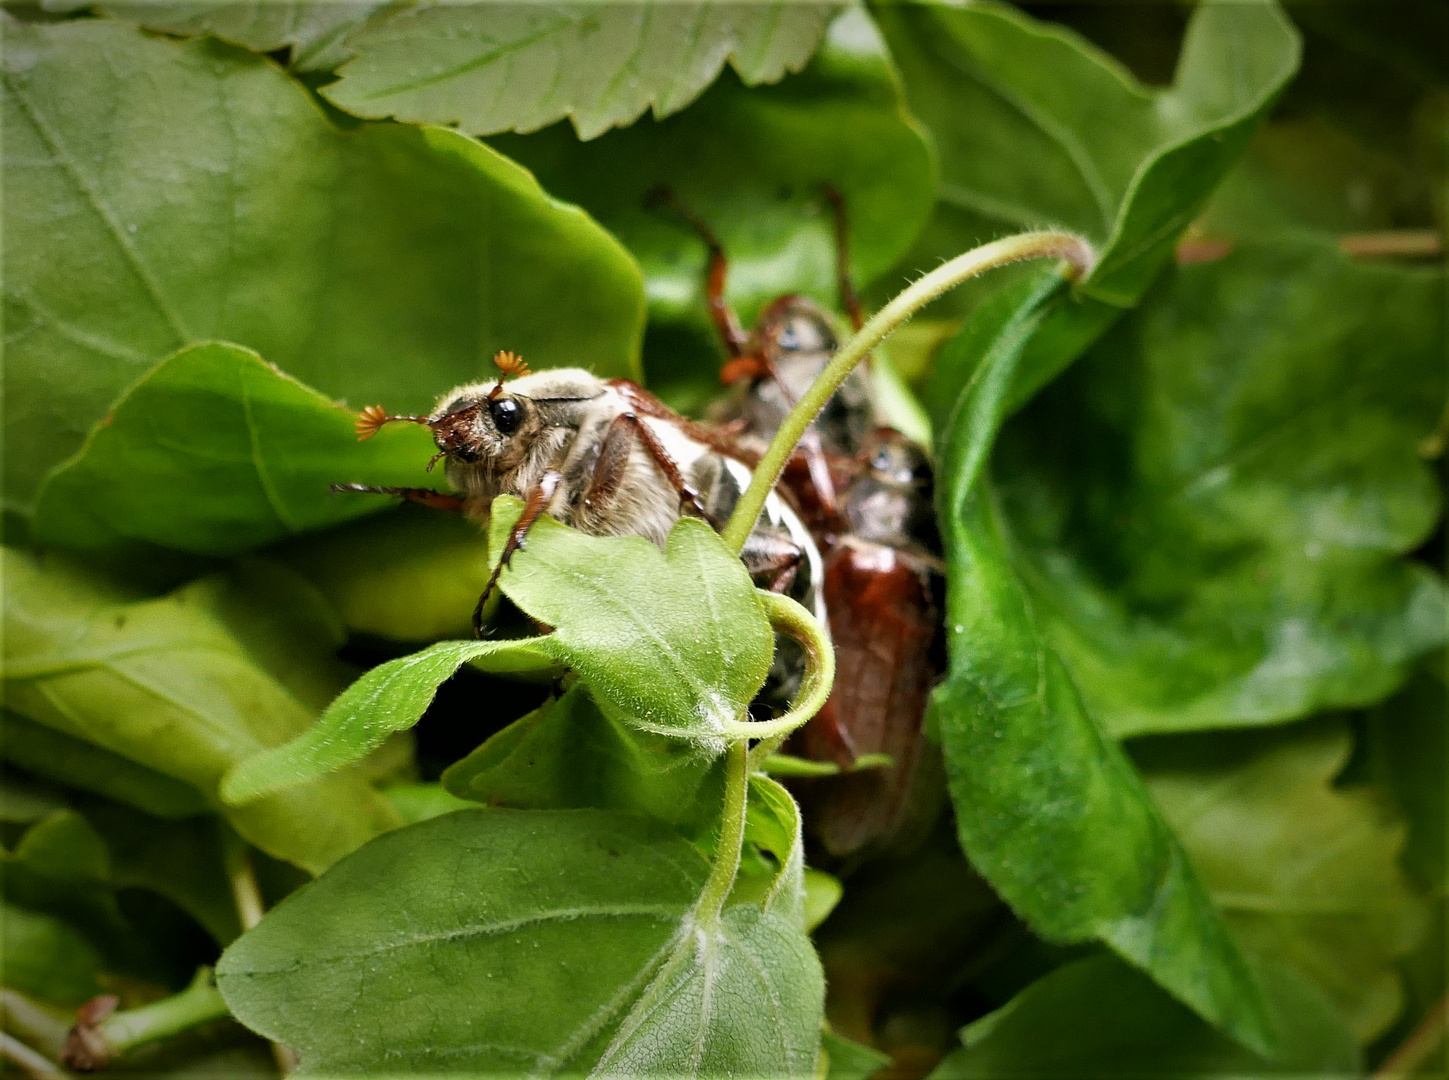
(865, 490)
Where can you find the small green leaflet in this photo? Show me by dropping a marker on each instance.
(215, 451)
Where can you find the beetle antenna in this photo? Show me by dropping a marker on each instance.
(509, 364)
(370, 420)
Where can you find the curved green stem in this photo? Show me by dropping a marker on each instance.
(790, 618)
(793, 620)
(1038, 245)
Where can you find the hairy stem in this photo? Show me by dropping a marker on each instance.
(731, 837)
(790, 618)
(1038, 245)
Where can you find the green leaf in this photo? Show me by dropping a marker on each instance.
(420, 802)
(1036, 127)
(410, 575)
(519, 67)
(215, 451)
(751, 163)
(1305, 872)
(81, 764)
(161, 194)
(316, 32)
(563, 941)
(1098, 1019)
(47, 958)
(772, 825)
(570, 755)
(1211, 512)
(183, 685)
(1048, 808)
(672, 642)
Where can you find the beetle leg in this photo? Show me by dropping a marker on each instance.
(438, 500)
(618, 441)
(538, 499)
(736, 341)
(848, 298)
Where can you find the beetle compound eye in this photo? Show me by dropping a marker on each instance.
(507, 415)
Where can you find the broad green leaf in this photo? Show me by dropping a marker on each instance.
(215, 451)
(564, 941)
(1098, 1019)
(571, 755)
(521, 66)
(187, 685)
(411, 575)
(419, 802)
(1211, 511)
(671, 642)
(751, 163)
(1048, 808)
(1304, 872)
(82, 764)
(1036, 127)
(161, 194)
(315, 30)
(47, 957)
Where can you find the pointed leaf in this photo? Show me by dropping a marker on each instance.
(215, 451)
(1037, 127)
(672, 642)
(1048, 808)
(1108, 1022)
